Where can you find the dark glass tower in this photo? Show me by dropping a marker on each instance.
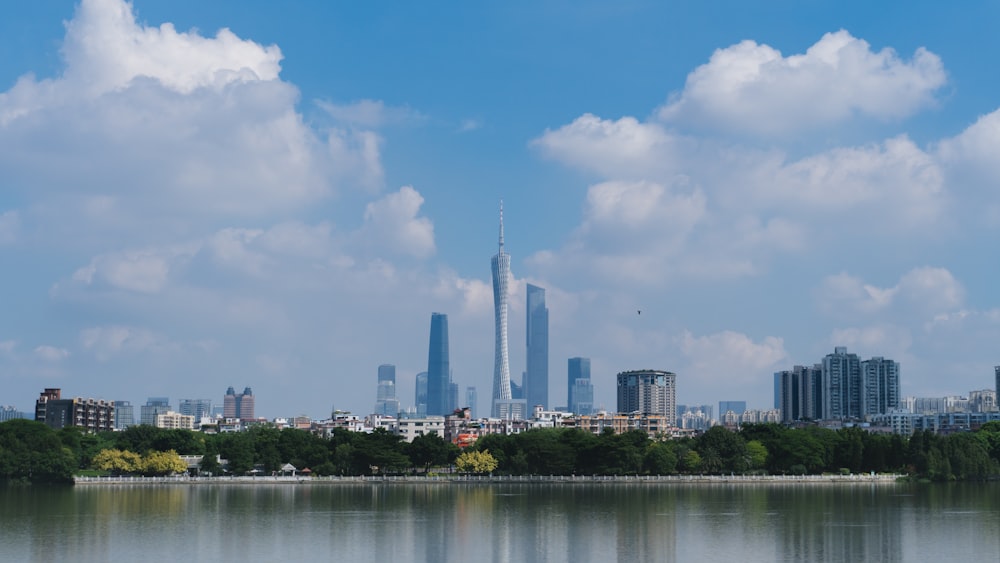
(579, 390)
(536, 380)
(438, 367)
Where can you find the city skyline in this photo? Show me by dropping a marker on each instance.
(280, 195)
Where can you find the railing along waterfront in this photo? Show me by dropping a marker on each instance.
(455, 478)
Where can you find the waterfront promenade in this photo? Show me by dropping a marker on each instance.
(881, 478)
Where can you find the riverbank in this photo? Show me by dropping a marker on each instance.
(887, 478)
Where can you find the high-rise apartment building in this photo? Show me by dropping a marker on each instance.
(420, 396)
(799, 393)
(503, 403)
(648, 392)
(89, 414)
(239, 407)
(579, 389)
(855, 389)
(438, 367)
(996, 384)
(536, 378)
(153, 407)
(197, 408)
(880, 386)
(386, 403)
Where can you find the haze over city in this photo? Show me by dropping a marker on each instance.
(195, 196)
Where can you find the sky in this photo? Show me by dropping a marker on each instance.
(278, 195)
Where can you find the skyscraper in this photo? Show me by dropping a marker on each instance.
(503, 404)
(579, 389)
(438, 367)
(240, 407)
(648, 392)
(124, 415)
(841, 385)
(386, 403)
(198, 408)
(880, 377)
(153, 407)
(799, 393)
(420, 395)
(536, 378)
(471, 400)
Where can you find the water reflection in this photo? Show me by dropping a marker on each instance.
(509, 522)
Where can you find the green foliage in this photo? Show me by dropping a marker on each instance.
(32, 452)
(118, 462)
(477, 462)
(430, 450)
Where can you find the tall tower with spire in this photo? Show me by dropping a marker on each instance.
(501, 365)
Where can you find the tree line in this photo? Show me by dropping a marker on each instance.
(30, 451)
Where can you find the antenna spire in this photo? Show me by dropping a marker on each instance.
(501, 225)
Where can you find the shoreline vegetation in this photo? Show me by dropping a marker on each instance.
(31, 452)
(834, 479)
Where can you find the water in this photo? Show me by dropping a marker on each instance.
(501, 522)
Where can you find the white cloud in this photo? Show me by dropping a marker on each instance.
(752, 88)
(626, 148)
(729, 357)
(153, 122)
(889, 341)
(143, 271)
(921, 293)
(106, 342)
(370, 114)
(51, 353)
(392, 224)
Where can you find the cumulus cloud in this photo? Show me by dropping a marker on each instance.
(109, 341)
(753, 88)
(150, 120)
(884, 340)
(143, 271)
(731, 357)
(392, 224)
(924, 292)
(369, 113)
(623, 148)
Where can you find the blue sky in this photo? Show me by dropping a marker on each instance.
(283, 204)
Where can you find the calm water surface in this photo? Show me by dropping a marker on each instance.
(491, 522)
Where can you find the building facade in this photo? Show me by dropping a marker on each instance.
(124, 415)
(386, 403)
(91, 415)
(153, 407)
(238, 406)
(438, 367)
(197, 408)
(648, 392)
(175, 420)
(578, 386)
(500, 269)
(420, 395)
(798, 393)
(536, 377)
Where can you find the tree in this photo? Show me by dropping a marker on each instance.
(477, 462)
(428, 450)
(660, 459)
(210, 465)
(162, 463)
(117, 462)
(756, 455)
(31, 451)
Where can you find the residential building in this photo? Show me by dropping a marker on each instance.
(842, 389)
(799, 393)
(536, 378)
(438, 367)
(175, 420)
(91, 415)
(11, 413)
(737, 407)
(648, 392)
(410, 428)
(880, 386)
